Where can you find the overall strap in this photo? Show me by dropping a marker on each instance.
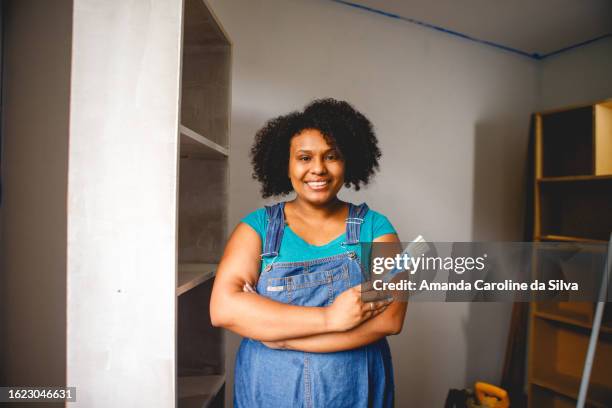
(274, 231)
(353, 222)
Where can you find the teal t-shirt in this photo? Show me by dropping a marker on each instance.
(295, 249)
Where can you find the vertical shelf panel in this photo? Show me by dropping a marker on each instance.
(538, 169)
(603, 138)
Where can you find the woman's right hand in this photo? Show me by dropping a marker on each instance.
(348, 310)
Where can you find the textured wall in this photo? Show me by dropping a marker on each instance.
(34, 167)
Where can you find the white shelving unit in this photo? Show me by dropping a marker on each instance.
(124, 317)
(204, 136)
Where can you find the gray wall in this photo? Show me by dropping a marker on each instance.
(34, 167)
(578, 76)
(452, 118)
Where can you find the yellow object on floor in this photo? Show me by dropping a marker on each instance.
(490, 396)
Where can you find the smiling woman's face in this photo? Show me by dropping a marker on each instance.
(316, 169)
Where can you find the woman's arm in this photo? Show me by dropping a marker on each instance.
(260, 318)
(389, 322)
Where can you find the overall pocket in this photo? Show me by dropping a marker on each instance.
(317, 288)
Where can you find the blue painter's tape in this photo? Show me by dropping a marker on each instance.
(535, 56)
(571, 47)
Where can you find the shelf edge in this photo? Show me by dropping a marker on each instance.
(196, 281)
(573, 179)
(203, 140)
(565, 238)
(558, 390)
(212, 392)
(569, 321)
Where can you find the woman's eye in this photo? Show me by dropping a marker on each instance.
(331, 157)
(304, 158)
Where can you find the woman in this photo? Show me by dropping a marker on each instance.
(289, 280)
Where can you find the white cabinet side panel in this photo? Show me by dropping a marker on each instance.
(122, 202)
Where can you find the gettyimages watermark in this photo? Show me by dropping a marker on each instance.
(486, 271)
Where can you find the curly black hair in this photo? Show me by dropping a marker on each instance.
(343, 127)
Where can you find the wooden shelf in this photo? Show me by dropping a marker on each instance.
(195, 145)
(573, 178)
(191, 275)
(569, 321)
(566, 385)
(198, 391)
(564, 238)
(578, 313)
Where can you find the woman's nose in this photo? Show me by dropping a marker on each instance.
(318, 166)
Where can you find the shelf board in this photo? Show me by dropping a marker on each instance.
(197, 146)
(191, 275)
(598, 396)
(563, 319)
(569, 321)
(564, 238)
(573, 179)
(198, 391)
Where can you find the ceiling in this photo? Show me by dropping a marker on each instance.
(534, 27)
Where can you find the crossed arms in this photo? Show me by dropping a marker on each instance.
(346, 324)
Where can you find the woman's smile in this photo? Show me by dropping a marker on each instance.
(318, 185)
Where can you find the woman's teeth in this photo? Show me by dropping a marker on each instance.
(317, 184)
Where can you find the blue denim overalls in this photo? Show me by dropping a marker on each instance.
(264, 377)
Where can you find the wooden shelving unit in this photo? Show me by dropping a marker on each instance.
(572, 203)
(203, 166)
